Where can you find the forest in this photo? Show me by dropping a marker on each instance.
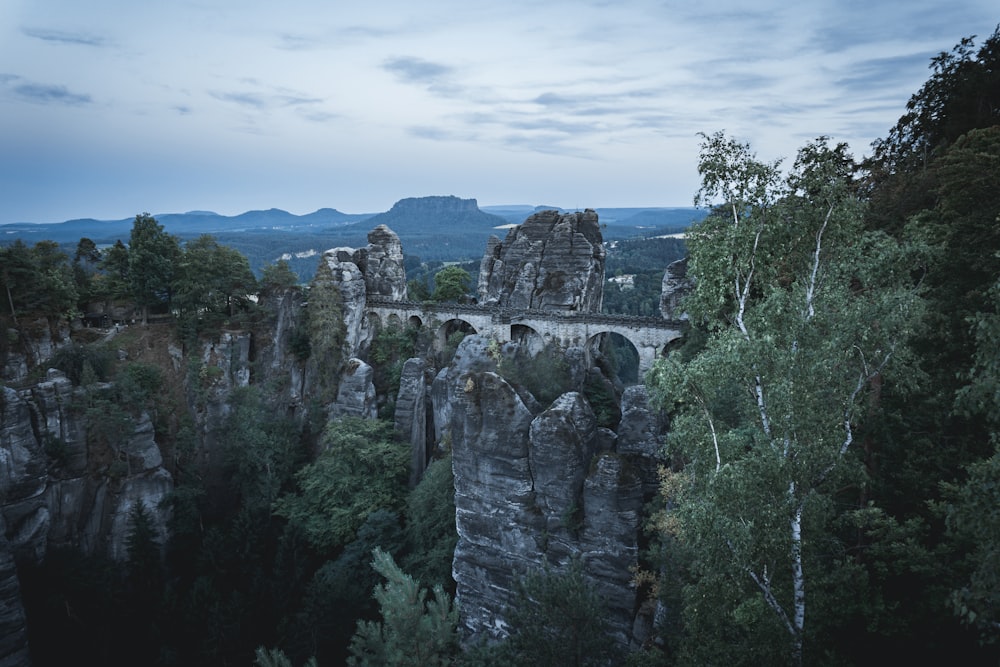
(831, 491)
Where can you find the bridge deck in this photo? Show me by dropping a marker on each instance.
(513, 315)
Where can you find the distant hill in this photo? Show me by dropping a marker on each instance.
(437, 228)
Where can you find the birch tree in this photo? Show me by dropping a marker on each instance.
(806, 312)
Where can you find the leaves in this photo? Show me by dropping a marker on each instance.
(361, 469)
(804, 309)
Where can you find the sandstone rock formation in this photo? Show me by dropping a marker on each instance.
(411, 415)
(375, 270)
(675, 286)
(641, 434)
(350, 280)
(44, 339)
(13, 622)
(58, 490)
(382, 264)
(356, 392)
(552, 260)
(530, 490)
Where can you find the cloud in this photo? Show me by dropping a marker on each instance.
(42, 93)
(416, 70)
(876, 74)
(60, 37)
(435, 133)
(265, 100)
(319, 116)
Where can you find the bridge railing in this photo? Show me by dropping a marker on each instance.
(512, 315)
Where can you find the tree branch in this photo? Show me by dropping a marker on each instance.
(811, 289)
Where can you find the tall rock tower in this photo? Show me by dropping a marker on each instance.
(552, 261)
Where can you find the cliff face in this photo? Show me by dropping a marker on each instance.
(58, 490)
(534, 489)
(37, 341)
(551, 261)
(375, 270)
(676, 285)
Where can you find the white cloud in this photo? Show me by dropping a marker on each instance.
(306, 104)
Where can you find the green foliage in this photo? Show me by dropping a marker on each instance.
(326, 330)
(276, 658)
(640, 298)
(972, 512)
(414, 630)
(152, 262)
(391, 346)
(451, 284)
(211, 286)
(277, 276)
(75, 358)
(262, 451)
(805, 311)
(360, 469)
(960, 95)
(143, 548)
(37, 280)
(339, 593)
(557, 618)
(603, 400)
(417, 290)
(114, 281)
(430, 524)
(546, 375)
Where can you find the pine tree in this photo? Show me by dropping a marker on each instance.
(413, 631)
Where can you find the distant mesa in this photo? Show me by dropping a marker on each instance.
(421, 213)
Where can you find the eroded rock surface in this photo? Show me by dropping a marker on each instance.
(676, 285)
(356, 392)
(58, 490)
(552, 260)
(382, 264)
(533, 490)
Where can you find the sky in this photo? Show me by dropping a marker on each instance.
(109, 108)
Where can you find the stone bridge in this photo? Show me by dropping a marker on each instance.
(648, 335)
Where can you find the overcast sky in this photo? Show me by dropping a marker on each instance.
(109, 108)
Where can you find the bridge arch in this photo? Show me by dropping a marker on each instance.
(449, 328)
(622, 352)
(528, 337)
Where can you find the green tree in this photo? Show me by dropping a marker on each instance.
(416, 290)
(339, 593)
(360, 469)
(972, 507)
(558, 618)
(152, 263)
(113, 280)
(451, 284)
(325, 331)
(274, 657)
(15, 272)
(962, 94)
(805, 311)
(262, 451)
(211, 284)
(430, 524)
(414, 630)
(38, 279)
(277, 276)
